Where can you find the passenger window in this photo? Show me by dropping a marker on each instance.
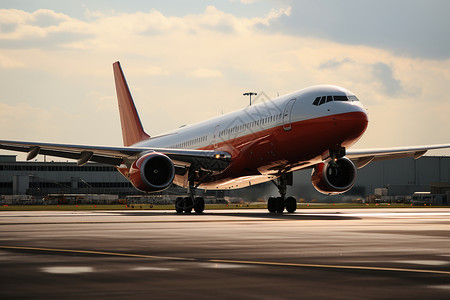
(322, 101)
(316, 102)
(329, 99)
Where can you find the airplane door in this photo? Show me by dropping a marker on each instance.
(216, 136)
(287, 115)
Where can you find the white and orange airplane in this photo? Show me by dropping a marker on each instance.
(310, 128)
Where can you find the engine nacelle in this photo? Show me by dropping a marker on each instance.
(152, 172)
(334, 178)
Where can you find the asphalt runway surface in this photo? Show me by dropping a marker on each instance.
(231, 254)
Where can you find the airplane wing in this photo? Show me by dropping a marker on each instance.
(363, 157)
(205, 159)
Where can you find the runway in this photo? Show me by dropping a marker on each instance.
(245, 254)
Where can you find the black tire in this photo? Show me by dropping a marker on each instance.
(188, 205)
(279, 205)
(291, 204)
(271, 204)
(179, 205)
(199, 205)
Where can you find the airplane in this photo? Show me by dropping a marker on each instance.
(311, 128)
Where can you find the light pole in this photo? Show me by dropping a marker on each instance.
(250, 94)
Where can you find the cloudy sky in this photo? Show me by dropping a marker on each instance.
(186, 61)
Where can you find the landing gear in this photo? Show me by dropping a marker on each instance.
(186, 204)
(199, 205)
(183, 205)
(291, 204)
(278, 204)
(179, 205)
(271, 204)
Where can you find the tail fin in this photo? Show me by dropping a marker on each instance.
(132, 130)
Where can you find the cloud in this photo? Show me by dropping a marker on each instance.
(383, 74)
(335, 63)
(413, 28)
(43, 28)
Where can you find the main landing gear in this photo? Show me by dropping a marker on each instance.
(278, 204)
(186, 204)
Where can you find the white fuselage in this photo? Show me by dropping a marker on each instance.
(280, 127)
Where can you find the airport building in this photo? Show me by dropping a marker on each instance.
(42, 178)
(387, 180)
(31, 181)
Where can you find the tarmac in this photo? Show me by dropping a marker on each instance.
(233, 254)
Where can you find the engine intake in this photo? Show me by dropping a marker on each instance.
(333, 178)
(152, 172)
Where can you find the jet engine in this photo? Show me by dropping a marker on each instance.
(152, 172)
(334, 177)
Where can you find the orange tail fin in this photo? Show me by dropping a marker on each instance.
(132, 130)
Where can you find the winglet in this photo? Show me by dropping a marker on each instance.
(132, 130)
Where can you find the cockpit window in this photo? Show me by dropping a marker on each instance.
(325, 99)
(340, 98)
(352, 98)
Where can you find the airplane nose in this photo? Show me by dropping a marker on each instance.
(360, 123)
(351, 126)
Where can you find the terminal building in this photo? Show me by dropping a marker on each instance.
(42, 178)
(393, 178)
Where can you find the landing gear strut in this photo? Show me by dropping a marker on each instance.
(278, 204)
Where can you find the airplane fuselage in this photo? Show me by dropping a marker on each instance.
(274, 136)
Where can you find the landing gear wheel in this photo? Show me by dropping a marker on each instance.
(271, 204)
(179, 205)
(279, 205)
(188, 205)
(291, 204)
(199, 205)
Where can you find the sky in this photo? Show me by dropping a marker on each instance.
(187, 61)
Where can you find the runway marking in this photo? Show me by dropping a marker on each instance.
(95, 252)
(151, 269)
(67, 270)
(424, 262)
(329, 266)
(225, 261)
